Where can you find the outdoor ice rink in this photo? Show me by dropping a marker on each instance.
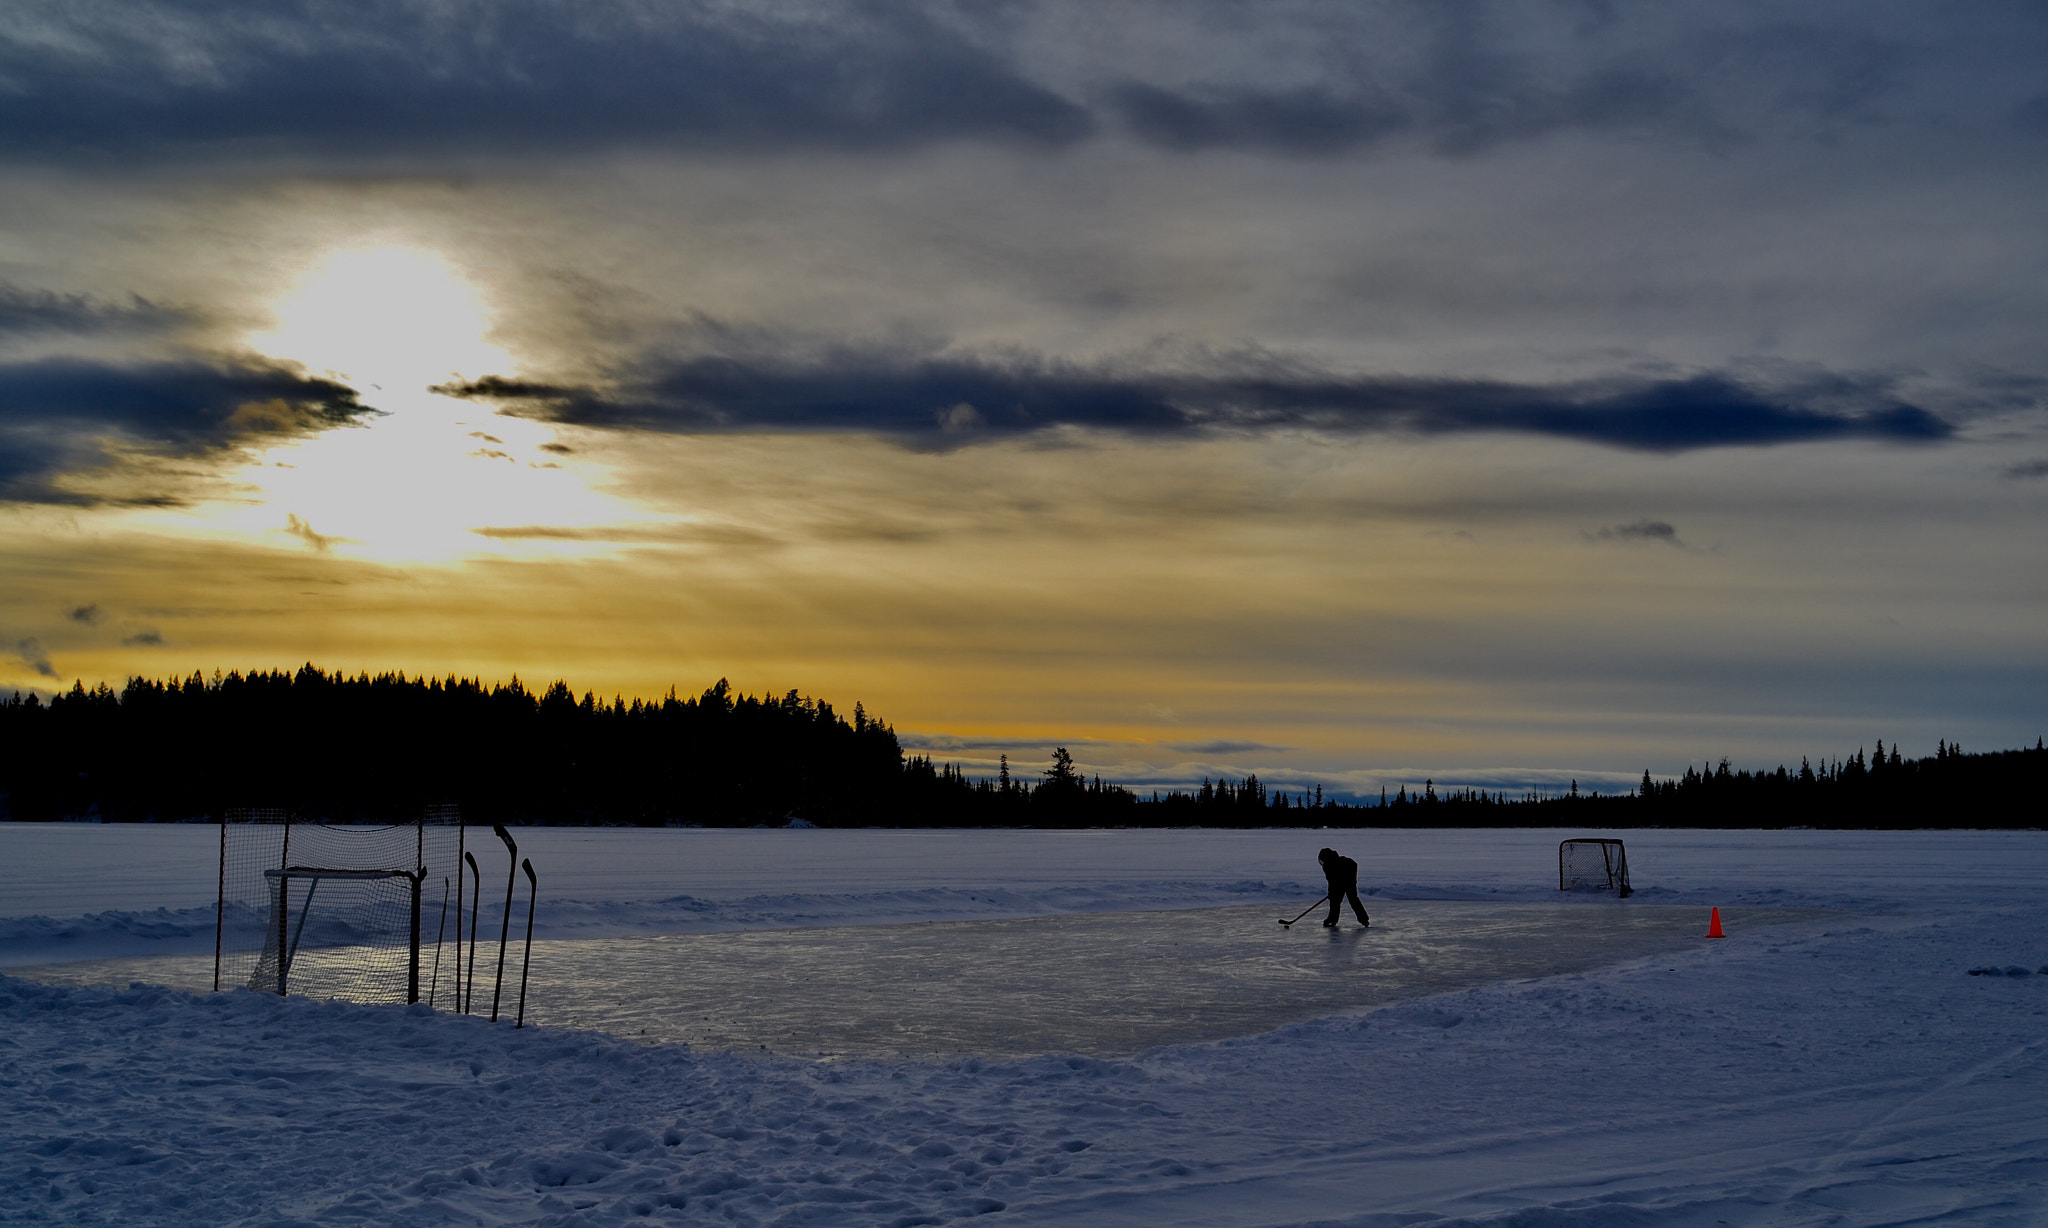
(1101, 1028)
(1101, 984)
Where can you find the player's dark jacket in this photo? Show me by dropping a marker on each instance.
(1342, 873)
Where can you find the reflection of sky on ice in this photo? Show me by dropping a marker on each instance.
(1099, 984)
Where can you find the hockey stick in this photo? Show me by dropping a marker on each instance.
(533, 893)
(504, 928)
(1306, 911)
(476, 895)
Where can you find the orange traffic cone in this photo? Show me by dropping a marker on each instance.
(1714, 926)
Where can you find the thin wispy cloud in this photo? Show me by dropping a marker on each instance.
(952, 743)
(663, 534)
(298, 528)
(1223, 746)
(27, 311)
(30, 652)
(1639, 531)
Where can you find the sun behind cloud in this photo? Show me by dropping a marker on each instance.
(417, 480)
(390, 319)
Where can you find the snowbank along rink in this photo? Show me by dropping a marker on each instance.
(1839, 1068)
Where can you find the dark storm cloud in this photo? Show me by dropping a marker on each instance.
(60, 417)
(394, 77)
(90, 615)
(1466, 77)
(938, 401)
(463, 77)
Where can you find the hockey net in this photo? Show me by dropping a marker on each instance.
(339, 911)
(1593, 865)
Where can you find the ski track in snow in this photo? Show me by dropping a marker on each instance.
(1847, 1072)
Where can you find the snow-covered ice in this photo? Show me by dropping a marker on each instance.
(1845, 1069)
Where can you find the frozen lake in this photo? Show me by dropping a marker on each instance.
(1587, 1062)
(73, 869)
(999, 943)
(1101, 984)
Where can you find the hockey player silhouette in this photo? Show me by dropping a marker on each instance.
(1342, 872)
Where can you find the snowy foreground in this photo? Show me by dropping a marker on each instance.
(1844, 1070)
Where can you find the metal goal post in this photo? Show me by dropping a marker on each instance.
(287, 938)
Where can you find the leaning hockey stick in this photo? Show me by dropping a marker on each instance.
(1304, 912)
(532, 894)
(476, 896)
(504, 928)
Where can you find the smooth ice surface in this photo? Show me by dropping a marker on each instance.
(1103, 984)
(1100, 984)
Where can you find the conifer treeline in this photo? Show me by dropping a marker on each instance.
(383, 747)
(1999, 789)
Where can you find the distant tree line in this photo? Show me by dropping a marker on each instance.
(2002, 788)
(1999, 789)
(385, 747)
(944, 796)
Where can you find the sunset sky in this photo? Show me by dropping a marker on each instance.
(1343, 392)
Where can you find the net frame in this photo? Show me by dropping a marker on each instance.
(284, 954)
(361, 938)
(1577, 870)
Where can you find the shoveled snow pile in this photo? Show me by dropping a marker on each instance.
(1849, 1071)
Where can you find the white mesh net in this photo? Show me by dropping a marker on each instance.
(370, 914)
(1592, 865)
